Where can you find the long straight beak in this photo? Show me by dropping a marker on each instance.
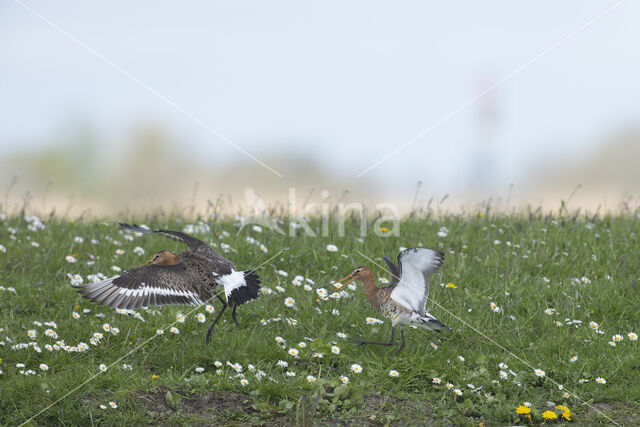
(345, 281)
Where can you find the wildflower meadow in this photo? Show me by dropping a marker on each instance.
(544, 311)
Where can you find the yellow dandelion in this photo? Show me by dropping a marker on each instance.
(155, 377)
(383, 229)
(523, 410)
(549, 415)
(452, 286)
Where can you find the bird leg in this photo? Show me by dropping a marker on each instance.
(388, 344)
(224, 307)
(233, 313)
(401, 344)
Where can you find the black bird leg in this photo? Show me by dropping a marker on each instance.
(224, 307)
(401, 344)
(233, 313)
(388, 344)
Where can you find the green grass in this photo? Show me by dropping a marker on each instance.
(164, 387)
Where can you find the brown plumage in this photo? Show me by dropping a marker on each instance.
(404, 300)
(188, 278)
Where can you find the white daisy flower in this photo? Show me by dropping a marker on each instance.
(356, 368)
(335, 349)
(44, 367)
(539, 372)
(601, 380)
(70, 259)
(344, 380)
(311, 379)
(332, 248)
(103, 367)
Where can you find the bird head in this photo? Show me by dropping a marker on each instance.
(357, 274)
(163, 258)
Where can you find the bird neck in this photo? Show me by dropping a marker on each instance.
(370, 288)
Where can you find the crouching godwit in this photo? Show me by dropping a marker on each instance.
(404, 300)
(188, 278)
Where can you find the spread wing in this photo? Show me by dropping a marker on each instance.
(416, 266)
(149, 285)
(393, 269)
(191, 241)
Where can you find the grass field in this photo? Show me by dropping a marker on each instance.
(555, 293)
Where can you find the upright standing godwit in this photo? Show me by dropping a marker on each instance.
(188, 278)
(404, 301)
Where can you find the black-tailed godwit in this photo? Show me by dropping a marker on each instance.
(404, 300)
(188, 278)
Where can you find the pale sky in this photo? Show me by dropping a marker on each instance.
(345, 81)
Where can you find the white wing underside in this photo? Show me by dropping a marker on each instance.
(416, 266)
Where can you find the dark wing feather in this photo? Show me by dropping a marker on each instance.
(191, 241)
(394, 270)
(149, 285)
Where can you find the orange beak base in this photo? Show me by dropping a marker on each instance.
(342, 282)
(146, 263)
